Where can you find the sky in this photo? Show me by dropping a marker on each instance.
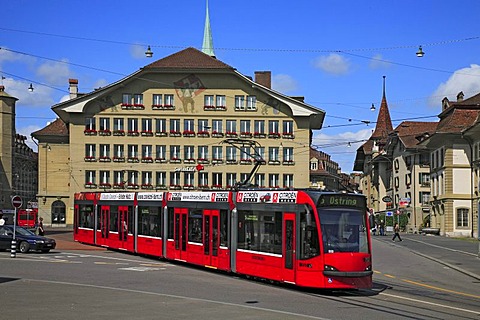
(333, 53)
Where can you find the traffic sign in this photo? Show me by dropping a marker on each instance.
(387, 199)
(17, 201)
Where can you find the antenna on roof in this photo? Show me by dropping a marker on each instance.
(207, 46)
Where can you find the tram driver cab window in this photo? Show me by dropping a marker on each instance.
(309, 245)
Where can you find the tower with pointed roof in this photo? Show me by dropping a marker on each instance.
(207, 46)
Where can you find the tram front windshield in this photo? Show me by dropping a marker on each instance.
(343, 230)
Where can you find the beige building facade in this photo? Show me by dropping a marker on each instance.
(185, 122)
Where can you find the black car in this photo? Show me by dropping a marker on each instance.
(26, 240)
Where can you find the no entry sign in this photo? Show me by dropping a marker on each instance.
(17, 201)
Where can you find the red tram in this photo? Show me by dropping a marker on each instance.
(308, 238)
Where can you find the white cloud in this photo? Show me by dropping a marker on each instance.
(8, 56)
(26, 131)
(466, 80)
(284, 83)
(137, 51)
(336, 145)
(41, 95)
(100, 83)
(333, 64)
(377, 62)
(55, 73)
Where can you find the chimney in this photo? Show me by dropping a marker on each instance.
(264, 78)
(73, 88)
(460, 96)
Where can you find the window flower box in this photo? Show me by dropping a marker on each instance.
(157, 107)
(147, 186)
(217, 187)
(259, 135)
(175, 187)
(288, 163)
(132, 159)
(138, 106)
(175, 134)
(90, 159)
(190, 161)
(206, 107)
(175, 160)
(231, 134)
(221, 108)
(245, 134)
(288, 135)
(132, 186)
(246, 161)
(147, 159)
(90, 185)
(133, 133)
(147, 134)
(232, 161)
(90, 132)
(118, 185)
(203, 186)
(105, 185)
(273, 162)
(188, 133)
(274, 187)
(160, 160)
(127, 106)
(118, 132)
(216, 134)
(104, 159)
(274, 135)
(161, 134)
(215, 161)
(168, 107)
(203, 161)
(104, 132)
(188, 187)
(161, 187)
(118, 159)
(203, 134)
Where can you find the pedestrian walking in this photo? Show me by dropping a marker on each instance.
(396, 229)
(41, 231)
(382, 228)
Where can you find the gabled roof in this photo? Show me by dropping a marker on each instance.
(189, 58)
(55, 128)
(457, 120)
(408, 131)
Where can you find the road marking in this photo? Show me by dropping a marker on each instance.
(429, 303)
(441, 289)
(141, 269)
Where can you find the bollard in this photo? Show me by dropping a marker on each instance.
(13, 249)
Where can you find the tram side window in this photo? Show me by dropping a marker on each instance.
(131, 225)
(170, 224)
(309, 244)
(195, 220)
(149, 221)
(86, 216)
(260, 231)
(224, 232)
(113, 219)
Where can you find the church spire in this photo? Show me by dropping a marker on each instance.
(384, 122)
(207, 46)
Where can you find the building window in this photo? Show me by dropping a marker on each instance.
(231, 154)
(231, 180)
(239, 102)
(408, 179)
(105, 179)
(231, 127)
(217, 127)
(147, 127)
(175, 153)
(273, 129)
(260, 152)
(209, 101)
(202, 153)
(175, 126)
(245, 130)
(217, 181)
(90, 125)
(160, 153)
(105, 152)
(133, 153)
(203, 180)
(288, 180)
(260, 180)
(287, 128)
(314, 165)
(126, 99)
(138, 100)
(169, 100)
(188, 180)
(147, 153)
(273, 155)
(90, 178)
(251, 103)
(118, 180)
(221, 102)
(90, 152)
(157, 100)
(287, 155)
(203, 127)
(245, 154)
(105, 124)
(118, 125)
(132, 179)
(161, 179)
(118, 151)
(132, 126)
(424, 178)
(160, 126)
(273, 180)
(174, 179)
(58, 212)
(147, 180)
(424, 197)
(462, 218)
(217, 154)
(189, 152)
(188, 127)
(259, 128)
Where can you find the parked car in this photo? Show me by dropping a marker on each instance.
(26, 240)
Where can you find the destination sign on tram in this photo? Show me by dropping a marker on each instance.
(267, 196)
(342, 200)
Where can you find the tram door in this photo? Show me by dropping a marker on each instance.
(123, 226)
(180, 233)
(211, 237)
(103, 223)
(289, 252)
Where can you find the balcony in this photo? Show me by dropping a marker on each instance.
(232, 161)
(163, 107)
(216, 161)
(119, 185)
(217, 187)
(245, 161)
(203, 161)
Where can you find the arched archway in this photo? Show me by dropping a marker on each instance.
(58, 212)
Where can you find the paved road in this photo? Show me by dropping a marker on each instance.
(459, 254)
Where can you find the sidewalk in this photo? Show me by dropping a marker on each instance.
(64, 239)
(456, 253)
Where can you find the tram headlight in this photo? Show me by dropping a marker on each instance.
(368, 268)
(329, 268)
